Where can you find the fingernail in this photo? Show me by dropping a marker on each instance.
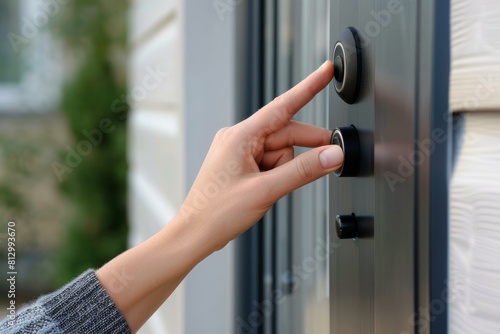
(324, 64)
(331, 157)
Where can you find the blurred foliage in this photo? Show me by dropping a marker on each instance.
(18, 167)
(94, 35)
(12, 201)
(29, 196)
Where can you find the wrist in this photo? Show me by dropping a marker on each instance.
(165, 257)
(193, 235)
(140, 279)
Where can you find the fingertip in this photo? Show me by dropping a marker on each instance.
(325, 136)
(328, 137)
(324, 74)
(327, 67)
(331, 157)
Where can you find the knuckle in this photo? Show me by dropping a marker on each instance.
(277, 123)
(222, 133)
(305, 169)
(279, 99)
(282, 103)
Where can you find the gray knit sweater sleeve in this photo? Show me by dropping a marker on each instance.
(81, 306)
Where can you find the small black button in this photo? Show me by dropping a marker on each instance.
(346, 226)
(338, 65)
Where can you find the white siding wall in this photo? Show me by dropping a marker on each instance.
(210, 87)
(156, 135)
(174, 118)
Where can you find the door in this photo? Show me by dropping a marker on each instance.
(389, 275)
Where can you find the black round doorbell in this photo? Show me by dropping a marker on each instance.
(347, 65)
(348, 139)
(346, 226)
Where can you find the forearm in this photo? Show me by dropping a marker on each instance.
(142, 278)
(249, 166)
(143, 310)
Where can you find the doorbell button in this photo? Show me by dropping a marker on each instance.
(338, 65)
(346, 226)
(348, 139)
(347, 65)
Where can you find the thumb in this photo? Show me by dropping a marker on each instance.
(303, 169)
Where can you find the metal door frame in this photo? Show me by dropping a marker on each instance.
(434, 176)
(425, 233)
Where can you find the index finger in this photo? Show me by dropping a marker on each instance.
(276, 114)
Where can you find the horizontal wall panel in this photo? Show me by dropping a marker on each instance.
(475, 229)
(156, 134)
(156, 71)
(147, 16)
(156, 152)
(149, 211)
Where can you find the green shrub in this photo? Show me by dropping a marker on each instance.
(93, 34)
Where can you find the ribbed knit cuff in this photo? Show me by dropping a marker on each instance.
(83, 306)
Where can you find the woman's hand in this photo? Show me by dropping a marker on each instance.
(248, 167)
(251, 164)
